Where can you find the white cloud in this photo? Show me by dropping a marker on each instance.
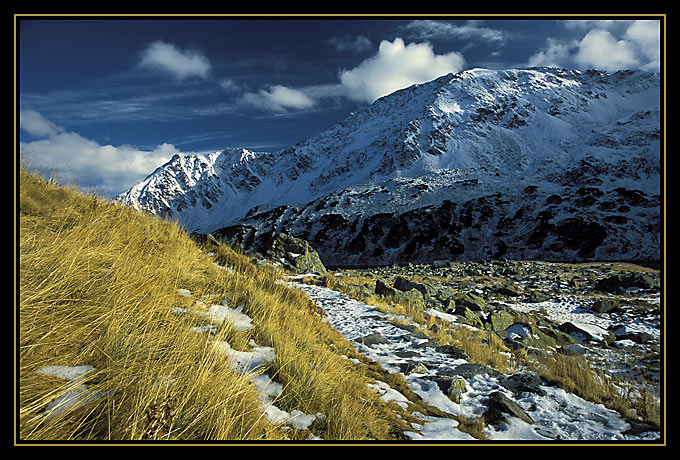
(555, 54)
(609, 45)
(601, 50)
(279, 99)
(647, 36)
(167, 58)
(35, 124)
(71, 156)
(397, 66)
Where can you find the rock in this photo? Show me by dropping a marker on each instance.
(575, 349)
(469, 370)
(452, 351)
(493, 416)
(372, 339)
(508, 289)
(499, 320)
(294, 252)
(604, 306)
(537, 297)
(530, 335)
(498, 404)
(405, 285)
(624, 333)
(457, 388)
(407, 327)
(577, 333)
(407, 354)
(529, 382)
(471, 301)
(469, 317)
(452, 386)
(618, 282)
(419, 368)
(446, 296)
(384, 290)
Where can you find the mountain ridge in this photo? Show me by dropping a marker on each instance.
(539, 162)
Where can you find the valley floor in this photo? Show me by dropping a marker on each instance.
(623, 343)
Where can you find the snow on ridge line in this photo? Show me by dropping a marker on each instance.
(499, 130)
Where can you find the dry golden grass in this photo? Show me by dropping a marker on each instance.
(98, 283)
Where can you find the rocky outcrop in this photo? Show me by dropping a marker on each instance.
(295, 253)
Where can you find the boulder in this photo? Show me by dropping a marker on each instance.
(405, 285)
(618, 282)
(452, 386)
(500, 404)
(576, 332)
(531, 335)
(529, 382)
(457, 388)
(372, 339)
(537, 297)
(508, 289)
(469, 370)
(625, 333)
(293, 252)
(469, 317)
(470, 300)
(604, 305)
(499, 320)
(384, 290)
(441, 263)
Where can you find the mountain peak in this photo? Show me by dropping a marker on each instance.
(460, 137)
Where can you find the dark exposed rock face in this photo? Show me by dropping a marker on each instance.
(583, 223)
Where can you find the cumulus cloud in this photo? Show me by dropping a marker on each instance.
(609, 45)
(647, 37)
(167, 58)
(601, 50)
(69, 155)
(397, 66)
(279, 99)
(555, 54)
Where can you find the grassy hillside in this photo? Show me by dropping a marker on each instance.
(105, 286)
(128, 329)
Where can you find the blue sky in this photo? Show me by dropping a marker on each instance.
(104, 101)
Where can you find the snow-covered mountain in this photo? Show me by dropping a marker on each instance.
(524, 163)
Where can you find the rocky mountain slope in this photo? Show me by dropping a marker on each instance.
(521, 164)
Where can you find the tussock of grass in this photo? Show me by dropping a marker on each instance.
(98, 286)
